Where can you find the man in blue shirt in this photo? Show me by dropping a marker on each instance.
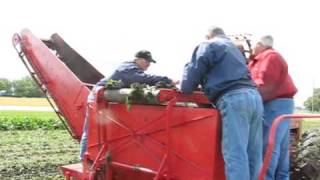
(133, 72)
(220, 68)
(128, 72)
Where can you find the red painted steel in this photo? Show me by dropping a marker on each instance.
(73, 170)
(154, 142)
(197, 97)
(271, 139)
(68, 92)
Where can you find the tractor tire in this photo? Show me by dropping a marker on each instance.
(305, 164)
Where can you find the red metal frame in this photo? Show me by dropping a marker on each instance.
(166, 158)
(68, 92)
(99, 149)
(271, 139)
(197, 96)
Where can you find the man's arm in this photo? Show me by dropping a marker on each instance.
(195, 70)
(141, 77)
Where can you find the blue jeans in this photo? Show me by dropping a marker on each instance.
(279, 164)
(242, 115)
(84, 137)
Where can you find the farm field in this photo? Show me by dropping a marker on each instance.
(29, 120)
(33, 145)
(29, 114)
(12, 101)
(310, 123)
(36, 154)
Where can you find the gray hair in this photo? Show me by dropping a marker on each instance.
(215, 31)
(266, 41)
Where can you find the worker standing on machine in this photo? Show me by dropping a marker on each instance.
(219, 66)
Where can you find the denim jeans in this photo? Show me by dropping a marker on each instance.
(84, 137)
(279, 164)
(242, 115)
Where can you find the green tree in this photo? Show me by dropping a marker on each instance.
(5, 86)
(313, 102)
(26, 87)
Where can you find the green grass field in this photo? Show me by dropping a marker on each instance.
(30, 114)
(33, 154)
(29, 120)
(310, 123)
(36, 154)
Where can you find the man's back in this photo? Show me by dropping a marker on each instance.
(221, 66)
(270, 72)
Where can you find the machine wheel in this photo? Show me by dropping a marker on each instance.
(305, 164)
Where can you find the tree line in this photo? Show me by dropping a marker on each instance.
(313, 102)
(24, 87)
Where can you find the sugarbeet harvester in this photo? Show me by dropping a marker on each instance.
(169, 139)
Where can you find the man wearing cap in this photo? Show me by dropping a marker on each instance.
(219, 66)
(133, 71)
(128, 72)
(270, 73)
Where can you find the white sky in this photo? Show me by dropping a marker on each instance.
(109, 32)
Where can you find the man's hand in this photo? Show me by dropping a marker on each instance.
(171, 85)
(175, 82)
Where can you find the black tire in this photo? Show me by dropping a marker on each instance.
(305, 163)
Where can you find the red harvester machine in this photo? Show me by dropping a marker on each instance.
(166, 140)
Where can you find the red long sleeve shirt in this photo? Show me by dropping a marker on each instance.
(270, 73)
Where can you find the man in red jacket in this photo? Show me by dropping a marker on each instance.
(270, 73)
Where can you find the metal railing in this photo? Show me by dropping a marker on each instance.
(272, 134)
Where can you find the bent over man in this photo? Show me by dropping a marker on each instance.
(220, 68)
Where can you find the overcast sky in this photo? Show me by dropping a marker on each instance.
(109, 32)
